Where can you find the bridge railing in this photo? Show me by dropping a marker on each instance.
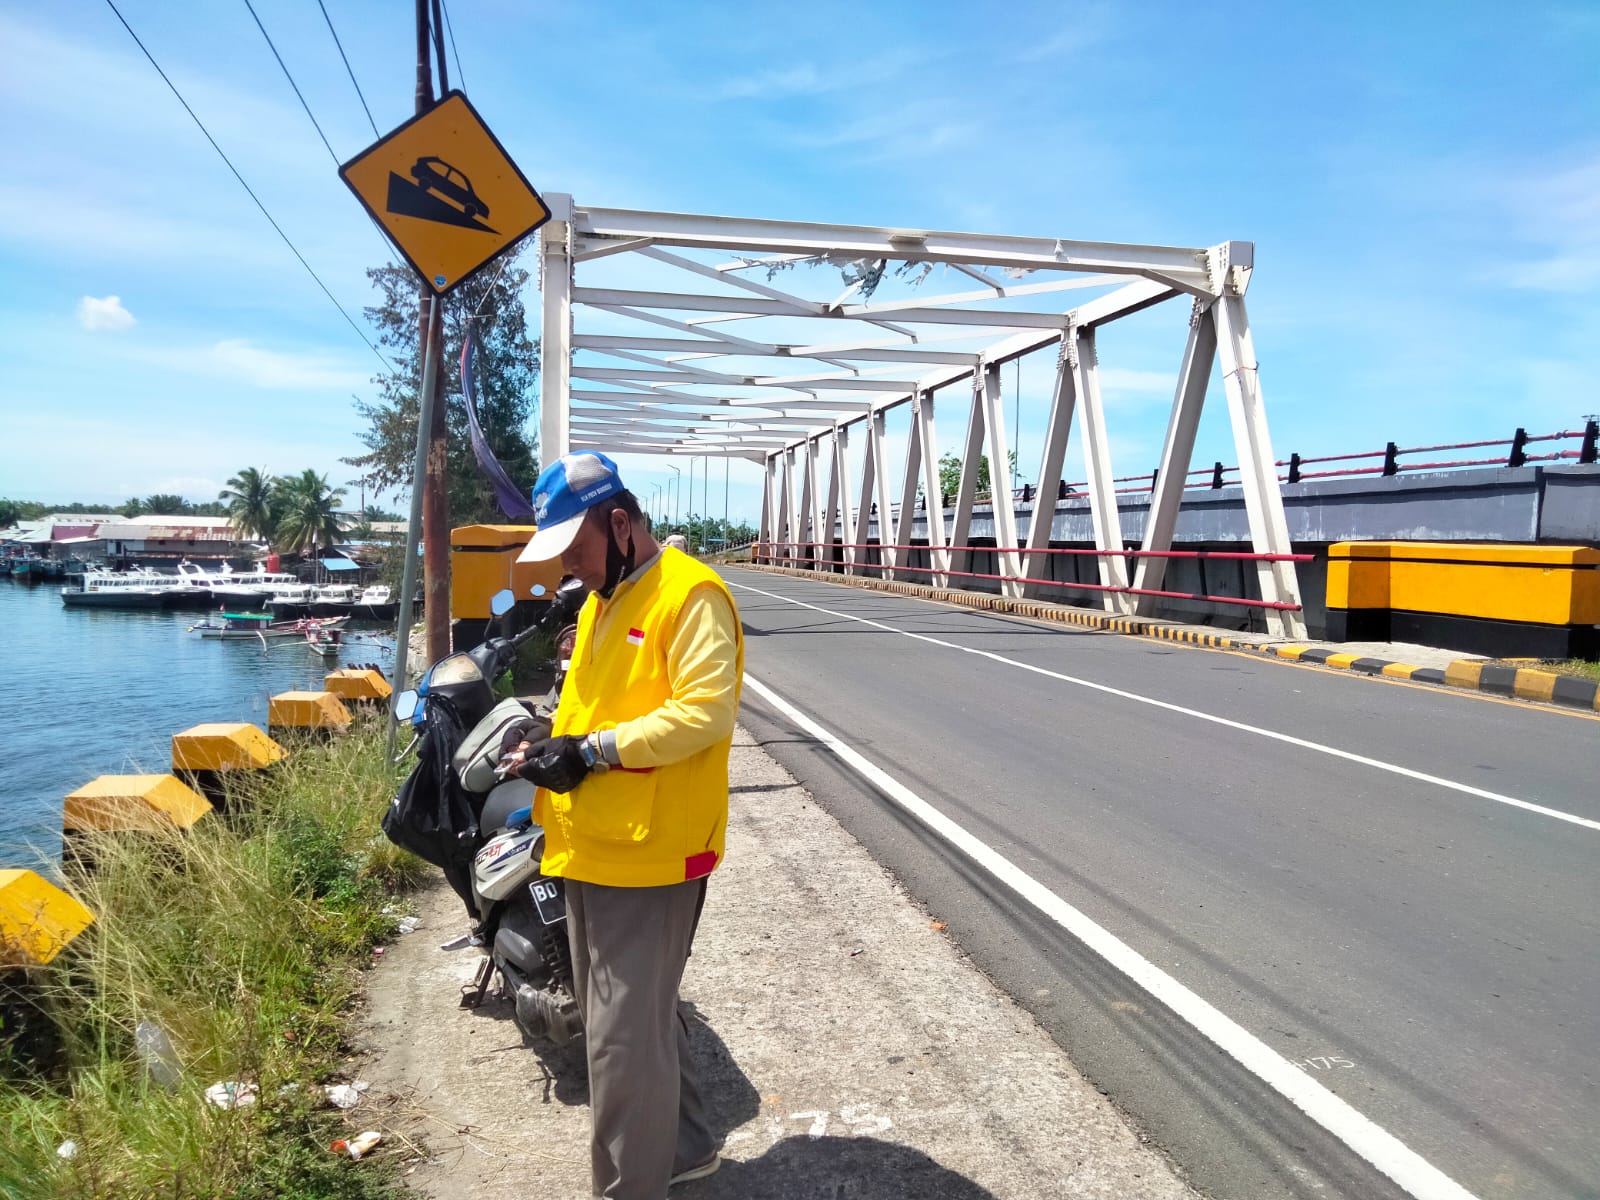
(1391, 460)
(818, 556)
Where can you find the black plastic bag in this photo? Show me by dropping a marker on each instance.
(432, 815)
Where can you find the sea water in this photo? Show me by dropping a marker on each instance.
(87, 692)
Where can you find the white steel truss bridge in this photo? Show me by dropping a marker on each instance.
(784, 342)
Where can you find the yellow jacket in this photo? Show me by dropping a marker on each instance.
(660, 665)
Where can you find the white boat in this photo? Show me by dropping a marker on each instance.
(142, 588)
(332, 600)
(291, 600)
(236, 589)
(375, 603)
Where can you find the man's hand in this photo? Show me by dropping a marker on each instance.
(520, 733)
(556, 763)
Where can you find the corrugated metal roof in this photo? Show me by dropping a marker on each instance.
(128, 531)
(185, 520)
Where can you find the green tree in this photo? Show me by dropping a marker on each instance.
(506, 369)
(131, 507)
(308, 513)
(950, 473)
(251, 497)
(712, 533)
(12, 511)
(166, 503)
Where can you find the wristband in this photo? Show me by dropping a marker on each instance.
(593, 757)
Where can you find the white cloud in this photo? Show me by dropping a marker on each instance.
(767, 85)
(1560, 209)
(238, 359)
(104, 316)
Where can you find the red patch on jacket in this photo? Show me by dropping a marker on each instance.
(697, 865)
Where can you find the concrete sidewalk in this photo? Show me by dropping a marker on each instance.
(847, 1049)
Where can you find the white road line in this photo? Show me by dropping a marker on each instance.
(1289, 739)
(1412, 1172)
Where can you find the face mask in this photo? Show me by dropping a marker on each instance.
(618, 565)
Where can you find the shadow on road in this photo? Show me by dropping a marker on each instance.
(835, 1168)
(731, 1100)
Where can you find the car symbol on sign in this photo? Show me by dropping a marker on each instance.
(439, 177)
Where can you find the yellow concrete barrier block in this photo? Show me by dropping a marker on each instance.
(1290, 651)
(1463, 674)
(113, 803)
(1534, 685)
(37, 919)
(1399, 670)
(224, 747)
(358, 685)
(1358, 575)
(1341, 661)
(307, 710)
(1552, 585)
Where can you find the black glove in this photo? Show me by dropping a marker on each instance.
(525, 729)
(556, 763)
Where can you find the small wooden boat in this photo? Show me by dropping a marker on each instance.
(229, 626)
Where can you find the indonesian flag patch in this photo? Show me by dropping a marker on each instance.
(635, 637)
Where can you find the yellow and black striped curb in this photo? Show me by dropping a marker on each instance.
(1526, 683)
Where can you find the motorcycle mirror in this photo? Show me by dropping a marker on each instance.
(405, 705)
(537, 590)
(571, 584)
(502, 602)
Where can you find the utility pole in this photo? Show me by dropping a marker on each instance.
(435, 503)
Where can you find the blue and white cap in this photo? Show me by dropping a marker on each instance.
(567, 489)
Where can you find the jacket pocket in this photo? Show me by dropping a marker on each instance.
(615, 806)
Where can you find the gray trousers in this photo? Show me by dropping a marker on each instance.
(629, 947)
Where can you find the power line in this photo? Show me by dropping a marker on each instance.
(297, 93)
(276, 227)
(351, 72)
(461, 79)
(303, 104)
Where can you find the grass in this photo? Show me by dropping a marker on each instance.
(245, 942)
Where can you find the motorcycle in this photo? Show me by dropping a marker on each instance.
(456, 811)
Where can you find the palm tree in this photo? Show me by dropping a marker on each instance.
(166, 504)
(308, 513)
(251, 508)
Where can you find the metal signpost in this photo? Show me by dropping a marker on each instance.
(447, 194)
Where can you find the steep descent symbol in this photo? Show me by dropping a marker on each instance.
(438, 192)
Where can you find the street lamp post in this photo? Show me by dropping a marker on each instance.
(677, 491)
(655, 501)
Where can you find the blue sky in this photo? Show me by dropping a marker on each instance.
(1422, 183)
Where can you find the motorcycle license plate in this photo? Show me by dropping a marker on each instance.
(547, 898)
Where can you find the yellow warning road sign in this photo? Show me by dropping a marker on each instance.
(446, 192)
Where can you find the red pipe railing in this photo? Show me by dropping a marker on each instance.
(1588, 452)
(789, 553)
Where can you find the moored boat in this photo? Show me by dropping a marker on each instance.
(375, 603)
(235, 626)
(332, 600)
(123, 589)
(291, 601)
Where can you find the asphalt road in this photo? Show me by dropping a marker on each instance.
(1427, 953)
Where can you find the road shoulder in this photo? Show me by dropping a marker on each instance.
(846, 1046)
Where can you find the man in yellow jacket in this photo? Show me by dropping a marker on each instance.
(633, 797)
